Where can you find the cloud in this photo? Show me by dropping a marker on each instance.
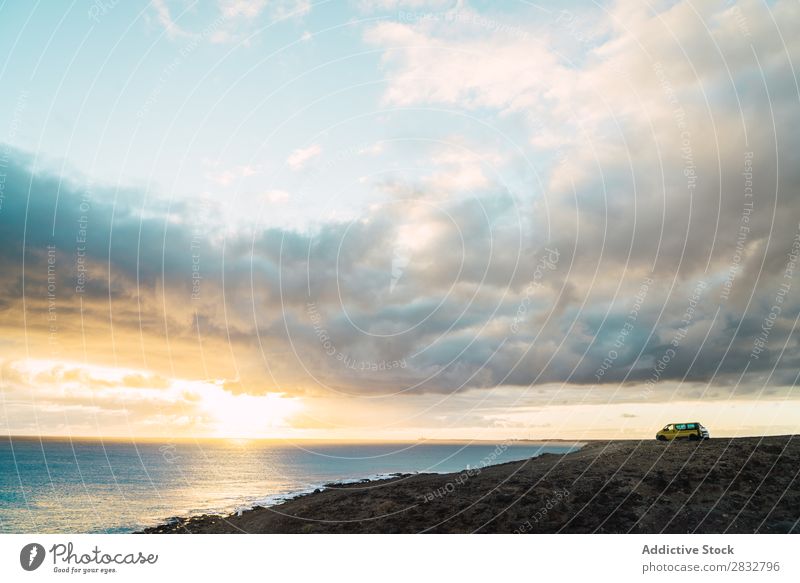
(492, 70)
(229, 176)
(638, 270)
(290, 8)
(277, 196)
(234, 21)
(166, 20)
(651, 126)
(301, 156)
(250, 9)
(85, 400)
(235, 8)
(374, 5)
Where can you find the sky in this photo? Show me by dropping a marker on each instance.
(448, 219)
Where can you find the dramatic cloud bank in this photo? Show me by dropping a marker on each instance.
(649, 253)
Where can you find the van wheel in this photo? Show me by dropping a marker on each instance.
(694, 437)
(661, 438)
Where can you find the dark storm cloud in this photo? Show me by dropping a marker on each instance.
(320, 306)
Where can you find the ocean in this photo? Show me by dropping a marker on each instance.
(82, 486)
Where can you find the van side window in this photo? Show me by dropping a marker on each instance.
(691, 426)
(680, 426)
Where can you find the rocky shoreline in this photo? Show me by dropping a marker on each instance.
(736, 485)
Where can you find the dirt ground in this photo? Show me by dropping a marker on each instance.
(741, 485)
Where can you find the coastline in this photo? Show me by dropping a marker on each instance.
(273, 500)
(720, 485)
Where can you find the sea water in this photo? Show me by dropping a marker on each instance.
(77, 486)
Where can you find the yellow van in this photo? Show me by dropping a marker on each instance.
(693, 431)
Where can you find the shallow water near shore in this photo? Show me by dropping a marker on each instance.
(64, 486)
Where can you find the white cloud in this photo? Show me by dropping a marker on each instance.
(166, 20)
(234, 19)
(462, 168)
(373, 5)
(277, 196)
(244, 8)
(229, 176)
(290, 8)
(277, 9)
(300, 157)
(488, 70)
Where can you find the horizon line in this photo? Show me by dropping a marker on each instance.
(356, 440)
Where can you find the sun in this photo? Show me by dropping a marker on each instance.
(250, 416)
